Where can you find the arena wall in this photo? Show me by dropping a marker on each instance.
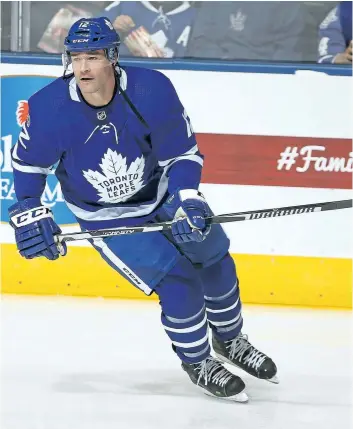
(269, 140)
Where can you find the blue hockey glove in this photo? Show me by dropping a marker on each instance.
(35, 230)
(188, 209)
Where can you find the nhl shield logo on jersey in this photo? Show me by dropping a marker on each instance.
(118, 182)
(101, 115)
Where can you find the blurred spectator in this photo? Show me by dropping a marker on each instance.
(248, 30)
(263, 31)
(314, 13)
(335, 45)
(152, 28)
(5, 25)
(51, 20)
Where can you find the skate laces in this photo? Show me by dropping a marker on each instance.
(212, 370)
(241, 349)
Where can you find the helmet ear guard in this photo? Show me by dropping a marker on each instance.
(112, 55)
(65, 59)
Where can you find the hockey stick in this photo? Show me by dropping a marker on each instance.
(224, 218)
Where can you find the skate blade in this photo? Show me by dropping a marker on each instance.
(239, 397)
(274, 379)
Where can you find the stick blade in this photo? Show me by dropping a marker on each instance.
(337, 205)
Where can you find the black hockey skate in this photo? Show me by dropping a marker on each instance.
(241, 353)
(216, 380)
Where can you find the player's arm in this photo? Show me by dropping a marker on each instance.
(332, 45)
(173, 139)
(122, 23)
(175, 144)
(33, 156)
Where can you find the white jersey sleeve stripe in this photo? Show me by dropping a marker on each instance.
(30, 169)
(189, 155)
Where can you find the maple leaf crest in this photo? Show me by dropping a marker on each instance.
(117, 183)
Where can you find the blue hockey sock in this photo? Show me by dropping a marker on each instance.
(183, 312)
(222, 298)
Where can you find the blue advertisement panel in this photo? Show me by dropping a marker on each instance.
(15, 92)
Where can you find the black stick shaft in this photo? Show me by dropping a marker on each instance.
(223, 218)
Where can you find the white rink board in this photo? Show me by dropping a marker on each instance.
(307, 104)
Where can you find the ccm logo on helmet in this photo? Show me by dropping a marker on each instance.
(31, 216)
(80, 40)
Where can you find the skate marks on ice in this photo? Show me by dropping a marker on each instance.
(295, 404)
(312, 401)
(71, 364)
(146, 382)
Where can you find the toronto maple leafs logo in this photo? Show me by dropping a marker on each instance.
(118, 182)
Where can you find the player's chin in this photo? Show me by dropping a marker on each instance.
(87, 87)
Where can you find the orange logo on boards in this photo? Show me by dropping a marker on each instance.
(22, 112)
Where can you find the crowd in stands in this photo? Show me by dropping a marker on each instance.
(281, 31)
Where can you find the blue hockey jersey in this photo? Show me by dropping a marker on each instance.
(335, 32)
(170, 30)
(114, 168)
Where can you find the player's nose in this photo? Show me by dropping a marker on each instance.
(84, 66)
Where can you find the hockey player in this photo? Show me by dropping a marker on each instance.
(127, 155)
(153, 29)
(335, 35)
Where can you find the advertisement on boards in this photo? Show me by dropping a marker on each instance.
(15, 92)
(283, 148)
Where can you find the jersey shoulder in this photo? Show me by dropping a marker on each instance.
(153, 94)
(151, 91)
(50, 102)
(147, 80)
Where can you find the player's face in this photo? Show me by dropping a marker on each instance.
(92, 70)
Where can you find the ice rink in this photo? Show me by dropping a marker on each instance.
(71, 363)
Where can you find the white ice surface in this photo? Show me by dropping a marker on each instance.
(71, 363)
